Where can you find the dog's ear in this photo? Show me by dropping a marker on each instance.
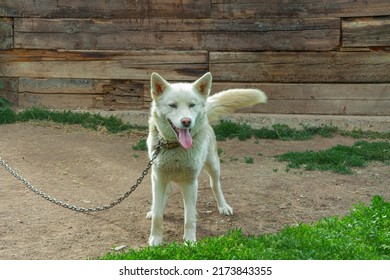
(203, 84)
(157, 85)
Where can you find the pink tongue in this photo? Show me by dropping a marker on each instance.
(185, 138)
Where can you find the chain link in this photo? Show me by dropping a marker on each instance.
(82, 209)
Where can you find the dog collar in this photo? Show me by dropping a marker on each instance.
(165, 143)
(169, 145)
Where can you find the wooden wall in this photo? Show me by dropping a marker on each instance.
(311, 57)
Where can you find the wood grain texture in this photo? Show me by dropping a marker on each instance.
(89, 93)
(6, 33)
(319, 91)
(324, 107)
(9, 89)
(338, 99)
(58, 101)
(189, 34)
(106, 9)
(301, 67)
(136, 65)
(302, 9)
(366, 32)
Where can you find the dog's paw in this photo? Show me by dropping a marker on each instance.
(149, 215)
(155, 240)
(226, 210)
(189, 237)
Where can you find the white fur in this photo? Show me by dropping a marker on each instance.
(183, 165)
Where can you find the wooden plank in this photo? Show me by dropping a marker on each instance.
(75, 101)
(9, 89)
(189, 34)
(366, 32)
(313, 8)
(122, 94)
(149, 57)
(6, 33)
(106, 9)
(62, 86)
(136, 65)
(57, 101)
(315, 91)
(324, 107)
(349, 99)
(77, 25)
(301, 67)
(119, 94)
(12, 8)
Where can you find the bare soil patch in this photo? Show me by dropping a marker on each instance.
(90, 168)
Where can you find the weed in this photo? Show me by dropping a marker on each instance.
(360, 134)
(228, 129)
(7, 115)
(141, 145)
(339, 159)
(249, 160)
(87, 120)
(4, 102)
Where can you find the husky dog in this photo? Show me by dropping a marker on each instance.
(179, 118)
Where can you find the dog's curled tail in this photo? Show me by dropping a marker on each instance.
(228, 101)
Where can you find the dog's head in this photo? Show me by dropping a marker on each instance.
(178, 107)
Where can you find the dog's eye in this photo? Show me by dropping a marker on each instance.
(173, 105)
(192, 105)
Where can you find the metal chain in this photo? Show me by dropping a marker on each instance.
(82, 209)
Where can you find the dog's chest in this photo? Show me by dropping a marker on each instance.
(179, 164)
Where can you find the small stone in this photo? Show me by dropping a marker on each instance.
(283, 206)
(120, 248)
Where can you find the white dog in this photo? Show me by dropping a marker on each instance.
(180, 115)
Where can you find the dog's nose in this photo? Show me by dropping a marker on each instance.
(186, 122)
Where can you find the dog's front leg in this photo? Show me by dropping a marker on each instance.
(157, 212)
(190, 192)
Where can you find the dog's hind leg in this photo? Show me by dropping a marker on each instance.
(212, 167)
(157, 212)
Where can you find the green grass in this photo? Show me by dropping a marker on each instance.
(224, 130)
(228, 129)
(362, 235)
(249, 160)
(361, 134)
(141, 145)
(87, 120)
(339, 159)
(7, 115)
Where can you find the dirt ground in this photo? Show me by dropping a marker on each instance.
(89, 168)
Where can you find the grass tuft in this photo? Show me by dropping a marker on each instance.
(362, 235)
(87, 120)
(141, 145)
(7, 115)
(360, 134)
(227, 129)
(339, 159)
